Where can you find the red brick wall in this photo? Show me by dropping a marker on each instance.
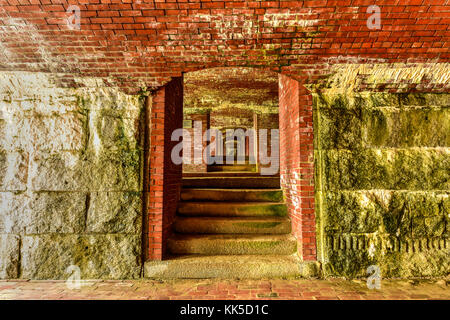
(297, 162)
(165, 176)
(130, 43)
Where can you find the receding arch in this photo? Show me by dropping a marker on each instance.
(296, 149)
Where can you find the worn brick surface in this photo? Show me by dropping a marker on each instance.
(147, 42)
(336, 289)
(165, 180)
(297, 161)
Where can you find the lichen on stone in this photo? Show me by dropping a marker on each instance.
(383, 161)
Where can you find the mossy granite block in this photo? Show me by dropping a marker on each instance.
(14, 212)
(9, 256)
(397, 169)
(55, 212)
(382, 120)
(413, 127)
(73, 171)
(340, 128)
(383, 161)
(100, 256)
(395, 256)
(403, 213)
(355, 212)
(13, 171)
(114, 212)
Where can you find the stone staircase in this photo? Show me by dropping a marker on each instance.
(230, 224)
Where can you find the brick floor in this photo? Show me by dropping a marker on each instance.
(227, 289)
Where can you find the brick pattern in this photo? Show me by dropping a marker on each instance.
(165, 176)
(303, 289)
(297, 161)
(147, 43)
(197, 164)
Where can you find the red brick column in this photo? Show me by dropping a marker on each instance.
(297, 162)
(166, 115)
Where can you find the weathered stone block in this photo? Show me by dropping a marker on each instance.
(346, 122)
(118, 133)
(339, 128)
(98, 256)
(377, 99)
(401, 213)
(2, 126)
(417, 214)
(42, 212)
(395, 256)
(13, 171)
(356, 212)
(109, 102)
(69, 171)
(9, 256)
(115, 212)
(349, 255)
(64, 132)
(79, 141)
(56, 212)
(117, 171)
(47, 104)
(370, 99)
(412, 127)
(50, 133)
(405, 169)
(63, 171)
(424, 99)
(14, 212)
(421, 169)
(430, 263)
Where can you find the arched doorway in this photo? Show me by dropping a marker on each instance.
(295, 162)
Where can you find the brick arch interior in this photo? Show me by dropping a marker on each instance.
(296, 164)
(148, 44)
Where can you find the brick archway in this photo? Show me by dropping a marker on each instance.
(163, 178)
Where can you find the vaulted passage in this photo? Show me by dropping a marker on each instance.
(92, 115)
(231, 219)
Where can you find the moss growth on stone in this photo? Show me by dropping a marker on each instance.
(98, 256)
(340, 128)
(408, 169)
(258, 225)
(264, 209)
(264, 244)
(273, 195)
(383, 164)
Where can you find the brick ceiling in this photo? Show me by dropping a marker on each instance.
(143, 43)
